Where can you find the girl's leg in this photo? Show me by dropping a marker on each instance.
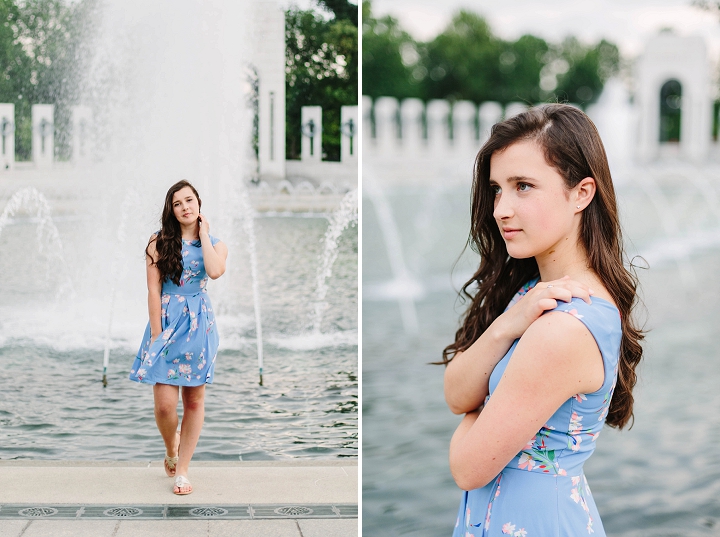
(166, 416)
(193, 417)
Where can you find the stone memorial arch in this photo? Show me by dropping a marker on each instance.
(267, 59)
(674, 98)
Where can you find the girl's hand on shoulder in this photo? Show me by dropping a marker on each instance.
(204, 224)
(541, 298)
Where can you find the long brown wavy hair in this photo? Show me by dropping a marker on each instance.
(168, 241)
(573, 147)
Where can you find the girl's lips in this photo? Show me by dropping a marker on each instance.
(510, 233)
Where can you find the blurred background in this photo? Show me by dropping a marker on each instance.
(436, 77)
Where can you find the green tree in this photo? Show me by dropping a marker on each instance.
(588, 69)
(41, 58)
(463, 61)
(391, 59)
(342, 9)
(321, 69)
(467, 61)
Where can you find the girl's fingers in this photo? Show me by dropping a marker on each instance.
(547, 304)
(560, 293)
(573, 288)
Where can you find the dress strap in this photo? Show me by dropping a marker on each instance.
(602, 319)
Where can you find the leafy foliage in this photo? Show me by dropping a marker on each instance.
(390, 59)
(467, 61)
(321, 69)
(41, 60)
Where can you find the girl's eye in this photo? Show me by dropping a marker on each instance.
(495, 189)
(523, 187)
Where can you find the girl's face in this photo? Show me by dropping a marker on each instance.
(186, 207)
(536, 214)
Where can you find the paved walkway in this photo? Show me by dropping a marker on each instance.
(132, 499)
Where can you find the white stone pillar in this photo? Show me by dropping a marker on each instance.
(464, 138)
(513, 109)
(386, 125)
(438, 125)
(411, 125)
(81, 123)
(366, 121)
(7, 136)
(311, 128)
(43, 135)
(268, 58)
(349, 133)
(489, 113)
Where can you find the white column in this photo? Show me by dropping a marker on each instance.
(7, 136)
(349, 133)
(386, 125)
(366, 122)
(411, 125)
(81, 121)
(648, 103)
(438, 126)
(268, 57)
(464, 139)
(311, 127)
(489, 113)
(43, 135)
(513, 109)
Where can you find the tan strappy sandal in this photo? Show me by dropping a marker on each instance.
(171, 462)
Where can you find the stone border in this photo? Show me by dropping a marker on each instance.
(343, 461)
(177, 512)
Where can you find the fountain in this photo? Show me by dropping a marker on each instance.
(403, 287)
(31, 201)
(168, 102)
(346, 215)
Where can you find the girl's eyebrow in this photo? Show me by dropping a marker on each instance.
(515, 179)
(520, 179)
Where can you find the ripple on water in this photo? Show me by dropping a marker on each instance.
(59, 410)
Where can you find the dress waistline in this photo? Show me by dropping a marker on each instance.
(572, 471)
(185, 293)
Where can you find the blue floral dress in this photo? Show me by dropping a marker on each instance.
(184, 354)
(542, 492)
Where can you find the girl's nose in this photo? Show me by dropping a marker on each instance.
(503, 208)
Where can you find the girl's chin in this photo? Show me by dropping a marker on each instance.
(519, 253)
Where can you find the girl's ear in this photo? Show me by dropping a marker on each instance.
(584, 193)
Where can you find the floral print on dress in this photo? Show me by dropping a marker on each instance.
(608, 397)
(574, 313)
(509, 529)
(181, 354)
(544, 481)
(575, 432)
(521, 293)
(489, 509)
(578, 496)
(537, 455)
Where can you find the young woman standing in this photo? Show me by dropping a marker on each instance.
(181, 339)
(548, 347)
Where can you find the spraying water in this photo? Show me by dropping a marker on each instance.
(404, 286)
(346, 215)
(248, 220)
(170, 103)
(32, 201)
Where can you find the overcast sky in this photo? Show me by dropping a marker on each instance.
(627, 23)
